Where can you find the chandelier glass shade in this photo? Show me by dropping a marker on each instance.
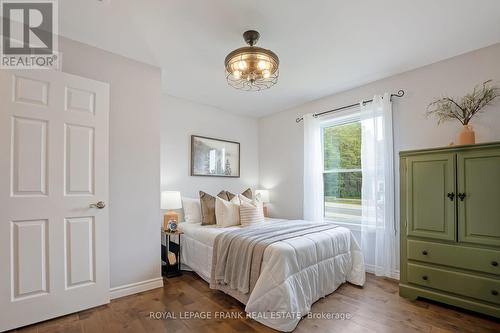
(252, 68)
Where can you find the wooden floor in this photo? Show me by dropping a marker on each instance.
(374, 308)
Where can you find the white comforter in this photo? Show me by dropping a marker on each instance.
(295, 273)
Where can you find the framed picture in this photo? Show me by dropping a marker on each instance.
(214, 157)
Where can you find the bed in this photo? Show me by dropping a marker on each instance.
(294, 273)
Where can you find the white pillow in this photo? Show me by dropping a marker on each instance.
(192, 210)
(251, 211)
(227, 213)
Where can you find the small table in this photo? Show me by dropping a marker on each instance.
(167, 269)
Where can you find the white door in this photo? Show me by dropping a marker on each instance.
(54, 248)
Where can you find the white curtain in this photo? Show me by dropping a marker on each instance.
(377, 163)
(313, 169)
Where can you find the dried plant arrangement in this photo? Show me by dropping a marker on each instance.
(465, 108)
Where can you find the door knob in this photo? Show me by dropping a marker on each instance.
(461, 196)
(451, 196)
(98, 205)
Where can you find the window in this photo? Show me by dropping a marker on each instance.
(342, 177)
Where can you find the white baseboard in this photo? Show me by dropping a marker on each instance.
(371, 269)
(134, 288)
(138, 287)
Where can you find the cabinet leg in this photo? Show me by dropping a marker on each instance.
(408, 294)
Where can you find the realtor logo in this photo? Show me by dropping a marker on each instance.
(29, 34)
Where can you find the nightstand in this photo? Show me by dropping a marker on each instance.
(167, 269)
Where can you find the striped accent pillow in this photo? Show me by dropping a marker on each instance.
(251, 212)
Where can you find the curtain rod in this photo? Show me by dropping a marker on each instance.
(400, 93)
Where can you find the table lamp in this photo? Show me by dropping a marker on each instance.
(264, 197)
(170, 200)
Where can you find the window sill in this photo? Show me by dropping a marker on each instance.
(351, 226)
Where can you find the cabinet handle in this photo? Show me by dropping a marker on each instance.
(425, 278)
(494, 293)
(451, 196)
(461, 196)
(424, 252)
(494, 263)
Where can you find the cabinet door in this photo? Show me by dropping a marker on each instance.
(479, 212)
(430, 213)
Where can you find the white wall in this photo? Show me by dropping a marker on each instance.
(281, 139)
(179, 120)
(134, 161)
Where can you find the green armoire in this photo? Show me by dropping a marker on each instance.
(450, 226)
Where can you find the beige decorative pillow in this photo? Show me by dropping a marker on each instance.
(225, 195)
(227, 213)
(207, 203)
(245, 199)
(247, 193)
(251, 211)
(230, 196)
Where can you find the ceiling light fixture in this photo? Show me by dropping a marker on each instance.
(252, 68)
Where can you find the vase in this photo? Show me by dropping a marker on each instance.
(466, 136)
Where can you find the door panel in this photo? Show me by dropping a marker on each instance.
(30, 277)
(29, 160)
(79, 244)
(79, 161)
(479, 212)
(79, 100)
(30, 91)
(54, 147)
(430, 212)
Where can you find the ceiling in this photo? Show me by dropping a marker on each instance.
(325, 46)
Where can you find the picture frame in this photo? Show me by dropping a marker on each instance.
(212, 157)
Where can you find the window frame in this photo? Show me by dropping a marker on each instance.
(342, 118)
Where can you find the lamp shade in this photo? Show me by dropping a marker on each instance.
(171, 200)
(264, 195)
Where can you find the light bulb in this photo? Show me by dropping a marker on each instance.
(242, 65)
(263, 65)
(266, 74)
(237, 74)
